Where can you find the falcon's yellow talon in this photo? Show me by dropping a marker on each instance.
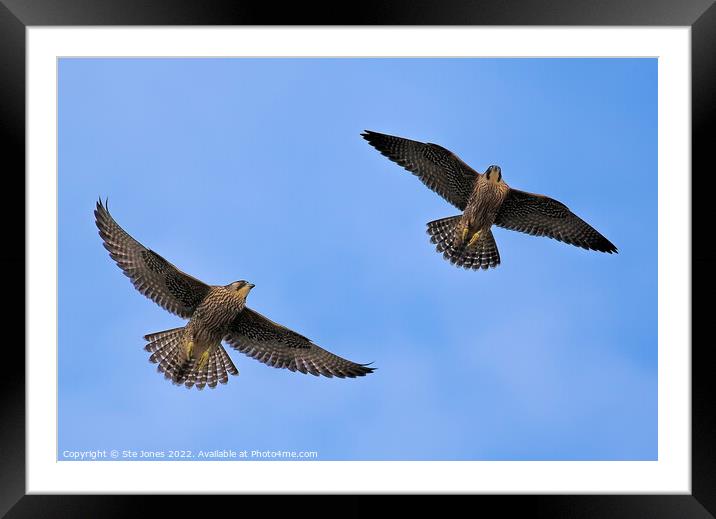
(464, 234)
(203, 359)
(474, 239)
(189, 349)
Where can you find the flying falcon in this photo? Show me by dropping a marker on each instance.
(193, 355)
(466, 240)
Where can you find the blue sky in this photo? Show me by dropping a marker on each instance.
(255, 169)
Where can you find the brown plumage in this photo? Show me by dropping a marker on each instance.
(485, 200)
(193, 355)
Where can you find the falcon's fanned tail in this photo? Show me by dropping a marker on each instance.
(168, 351)
(483, 254)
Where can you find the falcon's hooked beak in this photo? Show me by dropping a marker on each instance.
(244, 289)
(494, 174)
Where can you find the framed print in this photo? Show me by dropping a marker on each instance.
(266, 191)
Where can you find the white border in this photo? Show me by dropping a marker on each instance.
(671, 474)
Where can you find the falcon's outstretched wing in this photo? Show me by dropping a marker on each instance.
(151, 274)
(438, 168)
(543, 216)
(264, 340)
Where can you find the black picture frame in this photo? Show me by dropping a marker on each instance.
(16, 15)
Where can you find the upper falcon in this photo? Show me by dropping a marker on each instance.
(485, 199)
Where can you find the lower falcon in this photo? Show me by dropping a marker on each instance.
(485, 200)
(193, 355)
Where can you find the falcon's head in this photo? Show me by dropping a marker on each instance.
(242, 288)
(494, 174)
